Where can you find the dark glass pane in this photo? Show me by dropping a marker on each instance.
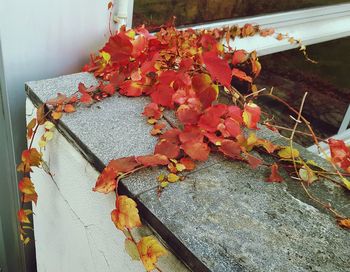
(327, 84)
(156, 12)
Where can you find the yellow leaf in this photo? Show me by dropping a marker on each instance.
(161, 177)
(131, 249)
(150, 250)
(106, 56)
(56, 115)
(48, 135)
(286, 153)
(173, 177)
(126, 214)
(164, 184)
(180, 167)
(49, 125)
(152, 121)
(251, 140)
(42, 143)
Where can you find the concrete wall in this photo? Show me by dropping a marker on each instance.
(73, 229)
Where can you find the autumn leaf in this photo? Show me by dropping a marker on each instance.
(163, 95)
(130, 88)
(287, 153)
(123, 165)
(241, 75)
(56, 115)
(126, 214)
(27, 188)
(22, 215)
(218, 68)
(119, 47)
(150, 250)
(239, 56)
(30, 157)
(152, 110)
(340, 154)
(30, 127)
(274, 176)
(307, 174)
(344, 223)
(196, 150)
(152, 160)
(173, 177)
(230, 148)
(188, 163)
(253, 161)
(187, 115)
(206, 91)
(69, 108)
(106, 182)
(40, 114)
(251, 115)
(167, 148)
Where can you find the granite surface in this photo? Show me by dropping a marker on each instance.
(223, 216)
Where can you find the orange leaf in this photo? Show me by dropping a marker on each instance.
(188, 163)
(30, 127)
(106, 181)
(30, 157)
(126, 214)
(40, 114)
(344, 223)
(26, 186)
(56, 115)
(123, 164)
(23, 215)
(150, 250)
(241, 75)
(230, 148)
(69, 108)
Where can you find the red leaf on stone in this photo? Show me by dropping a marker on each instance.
(152, 110)
(188, 163)
(196, 150)
(187, 115)
(191, 133)
(152, 160)
(230, 148)
(274, 176)
(163, 95)
(218, 68)
(69, 108)
(119, 47)
(130, 88)
(167, 148)
(233, 127)
(123, 164)
(171, 135)
(340, 153)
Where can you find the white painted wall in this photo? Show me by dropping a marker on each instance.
(73, 229)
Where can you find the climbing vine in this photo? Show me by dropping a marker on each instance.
(186, 72)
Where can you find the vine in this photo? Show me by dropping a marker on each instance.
(185, 71)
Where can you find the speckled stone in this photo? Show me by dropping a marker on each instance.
(234, 221)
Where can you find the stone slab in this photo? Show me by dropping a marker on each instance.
(232, 220)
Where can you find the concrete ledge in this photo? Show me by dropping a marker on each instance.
(222, 217)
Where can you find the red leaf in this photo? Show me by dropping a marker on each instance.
(209, 122)
(130, 88)
(163, 95)
(196, 150)
(187, 115)
(123, 164)
(340, 153)
(218, 68)
(233, 127)
(188, 163)
(191, 133)
(119, 47)
(152, 160)
(152, 111)
(230, 148)
(274, 176)
(168, 149)
(171, 135)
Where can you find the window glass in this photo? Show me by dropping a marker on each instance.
(156, 12)
(327, 84)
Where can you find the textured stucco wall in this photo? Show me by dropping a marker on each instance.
(73, 230)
